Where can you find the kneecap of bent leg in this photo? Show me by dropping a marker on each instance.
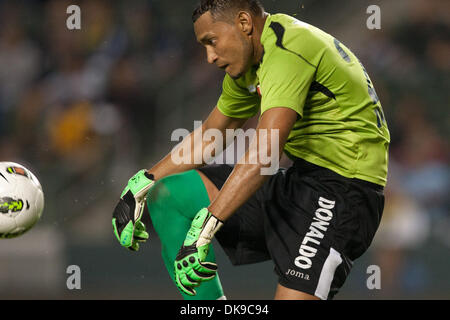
(183, 192)
(159, 198)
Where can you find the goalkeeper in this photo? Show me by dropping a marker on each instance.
(313, 219)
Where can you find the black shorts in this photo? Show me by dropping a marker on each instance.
(312, 222)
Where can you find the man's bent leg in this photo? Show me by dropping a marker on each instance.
(173, 202)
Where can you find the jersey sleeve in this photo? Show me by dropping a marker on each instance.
(236, 101)
(285, 80)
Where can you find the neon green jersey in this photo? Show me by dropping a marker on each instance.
(340, 125)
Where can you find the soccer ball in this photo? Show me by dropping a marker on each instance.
(21, 200)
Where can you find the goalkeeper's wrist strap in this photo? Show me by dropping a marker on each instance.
(211, 226)
(149, 175)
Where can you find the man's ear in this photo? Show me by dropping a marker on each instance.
(245, 22)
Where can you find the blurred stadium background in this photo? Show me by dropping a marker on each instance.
(84, 110)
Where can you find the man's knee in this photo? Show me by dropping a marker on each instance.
(162, 196)
(186, 192)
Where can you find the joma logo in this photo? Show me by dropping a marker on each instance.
(297, 274)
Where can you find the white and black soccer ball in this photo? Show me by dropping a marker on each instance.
(21, 200)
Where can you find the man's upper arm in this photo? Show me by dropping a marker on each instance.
(282, 120)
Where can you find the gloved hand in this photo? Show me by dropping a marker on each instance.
(126, 221)
(190, 265)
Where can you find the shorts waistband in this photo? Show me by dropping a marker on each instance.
(318, 171)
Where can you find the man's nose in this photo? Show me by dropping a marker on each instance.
(211, 56)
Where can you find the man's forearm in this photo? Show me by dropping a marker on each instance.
(243, 182)
(176, 162)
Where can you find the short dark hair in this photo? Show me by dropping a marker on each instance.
(222, 9)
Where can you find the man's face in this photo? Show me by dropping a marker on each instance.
(227, 46)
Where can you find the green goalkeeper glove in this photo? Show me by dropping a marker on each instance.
(190, 265)
(126, 221)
